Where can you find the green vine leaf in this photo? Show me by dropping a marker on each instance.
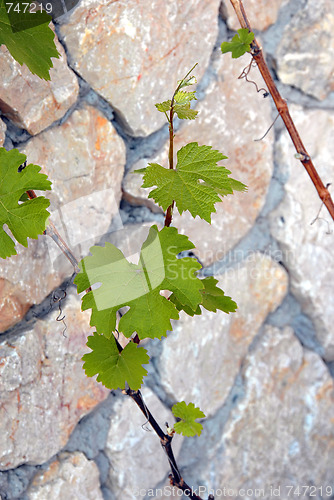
(181, 105)
(213, 298)
(188, 415)
(163, 107)
(138, 286)
(25, 219)
(194, 164)
(181, 97)
(28, 38)
(240, 43)
(115, 368)
(185, 82)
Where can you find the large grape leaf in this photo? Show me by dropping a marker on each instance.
(240, 43)
(188, 415)
(25, 219)
(213, 298)
(138, 285)
(194, 164)
(115, 368)
(28, 38)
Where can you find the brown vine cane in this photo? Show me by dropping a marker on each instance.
(282, 108)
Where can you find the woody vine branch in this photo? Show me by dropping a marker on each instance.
(282, 108)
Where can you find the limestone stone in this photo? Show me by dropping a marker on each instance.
(230, 117)
(129, 239)
(70, 476)
(13, 304)
(307, 244)
(133, 54)
(44, 390)
(133, 193)
(280, 433)
(203, 354)
(305, 55)
(84, 158)
(2, 132)
(138, 461)
(29, 101)
(261, 13)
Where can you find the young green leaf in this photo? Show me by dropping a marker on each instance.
(191, 80)
(194, 163)
(115, 368)
(182, 97)
(163, 106)
(240, 43)
(233, 186)
(29, 39)
(188, 415)
(25, 219)
(181, 105)
(181, 307)
(138, 286)
(213, 298)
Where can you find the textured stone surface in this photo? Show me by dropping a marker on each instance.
(70, 476)
(270, 403)
(130, 238)
(308, 249)
(13, 304)
(261, 13)
(2, 132)
(84, 159)
(230, 117)
(202, 356)
(133, 53)
(134, 194)
(43, 389)
(29, 101)
(305, 56)
(281, 432)
(138, 461)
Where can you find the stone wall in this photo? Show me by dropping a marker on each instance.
(263, 375)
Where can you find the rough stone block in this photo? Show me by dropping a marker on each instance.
(133, 53)
(30, 102)
(2, 132)
(230, 117)
(305, 55)
(203, 354)
(280, 434)
(307, 242)
(43, 389)
(138, 461)
(70, 476)
(261, 13)
(84, 158)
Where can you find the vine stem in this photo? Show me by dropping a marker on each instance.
(169, 213)
(166, 443)
(283, 110)
(54, 234)
(165, 440)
